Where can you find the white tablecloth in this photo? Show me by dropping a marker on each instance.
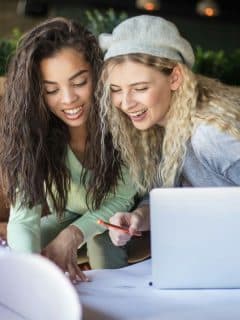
(31, 287)
(125, 294)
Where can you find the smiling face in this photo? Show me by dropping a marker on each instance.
(141, 92)
(68, 91)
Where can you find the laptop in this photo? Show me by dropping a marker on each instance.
(195, 237)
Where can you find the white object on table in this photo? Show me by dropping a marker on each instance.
(3, 246)
(33, 288)
(195, 237)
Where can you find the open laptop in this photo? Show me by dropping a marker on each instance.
(195, 237)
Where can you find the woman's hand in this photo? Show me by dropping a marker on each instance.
(63, 251)
(135, 221)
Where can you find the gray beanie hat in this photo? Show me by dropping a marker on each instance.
(150, 35)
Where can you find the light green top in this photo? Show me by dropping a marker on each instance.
(24, 224)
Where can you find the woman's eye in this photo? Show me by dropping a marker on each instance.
(51, 91)
(80, 84)
(141, 89)
(115, 90)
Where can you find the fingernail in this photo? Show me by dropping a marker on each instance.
(78, 278)
(87, 279)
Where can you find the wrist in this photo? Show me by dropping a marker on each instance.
(143, 214)
(77, 235)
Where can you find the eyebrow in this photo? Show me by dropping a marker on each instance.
(132, 84)
(79, 73)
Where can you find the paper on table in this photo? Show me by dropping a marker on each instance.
(135, 277)
(124, 294)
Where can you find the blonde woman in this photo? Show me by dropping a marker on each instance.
(172, 127)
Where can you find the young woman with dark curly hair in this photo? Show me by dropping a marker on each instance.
(50, 150)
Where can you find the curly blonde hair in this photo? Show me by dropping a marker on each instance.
(155, 156)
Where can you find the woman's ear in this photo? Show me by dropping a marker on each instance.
(176, 78)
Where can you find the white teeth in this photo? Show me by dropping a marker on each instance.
(138, 113)
(72, 111)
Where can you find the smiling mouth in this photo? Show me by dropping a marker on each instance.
(138, 113)
(73, 112)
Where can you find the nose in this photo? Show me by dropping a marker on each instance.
(68, 96)
(127, 101)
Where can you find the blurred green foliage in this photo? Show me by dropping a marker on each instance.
(98, 22)
(7, 48)
(219, 64)
(216, 64)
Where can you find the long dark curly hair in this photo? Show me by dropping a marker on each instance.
(34, 141)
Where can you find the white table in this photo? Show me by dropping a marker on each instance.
(32, 287)
(125, 294)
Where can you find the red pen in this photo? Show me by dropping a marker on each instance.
(114, 226)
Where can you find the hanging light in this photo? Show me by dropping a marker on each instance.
(208, 8)
(149, 5)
